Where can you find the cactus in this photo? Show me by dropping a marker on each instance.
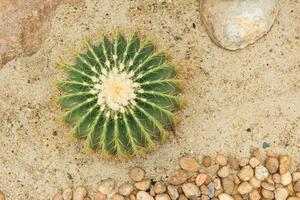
(120, 95)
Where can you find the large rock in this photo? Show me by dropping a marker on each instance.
(26, 24)
(234, 24)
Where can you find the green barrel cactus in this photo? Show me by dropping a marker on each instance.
(120, 95)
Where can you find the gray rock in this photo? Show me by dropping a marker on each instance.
(234, 24)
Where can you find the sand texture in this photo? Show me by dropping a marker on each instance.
(226, 93)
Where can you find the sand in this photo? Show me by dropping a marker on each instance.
(235, 101)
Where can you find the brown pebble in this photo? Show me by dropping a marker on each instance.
(200, 179)
(296, 176)
(272, 164)
(159, 187)
(204, 197)
(221, 159)
(107, 186)
(245, 188)
(276, 178)
(267, 194)
(228, 185)
(191, 190)
(206, 161)
(125, 189)
(217, 183)
(297, 186)
(132, 196)
(173, 192)
(143, 185)
(100, 196)
(255, 183)
(254, 195)
(254, 162)
(268, 186)
(67, 194)
(285, 162)
(142, 195)
(79, 193)
(244, 161)
(189, 164)
(2, 196)
(208, 180)
(162, 197)
(246, 173)
(179, 177)
(204, 190)
(137, 174)
(117, 197)
(233, 163)
(182, 197)
(224, 172)
(237, 197)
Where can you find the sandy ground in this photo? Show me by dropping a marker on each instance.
(256, 88)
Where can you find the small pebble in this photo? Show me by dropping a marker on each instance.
(212, 190)
(142, 195)
(268, 186)
(261, 173)
(100, 196)
(245, 188)
(254, 195)
(160, 187)
(286, 178)
(204, 190)
(189, 164)
(296, 176)
(255, 183)
(254, 162)
(206, 161)
(233, 163)
(217, 183)
(200, 179)
(137, 174)
(237, 197)
(204, 197)
(125, 189)
(221, 159)
(281, 194)
(178, 177)
(267, 194)
(272, 164)
(223, 172)
(143, 185)
(117, 197)
(285, 163)
(182, 197)
(162, 197)
(246, 173)
(107, 186)
(67, 194)
(244, 161)
(79, 193)
(2, 196)
(224, 196)
(173, 193)
(191, 190)
(276, 178)
(297, 186)
(228, 185)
